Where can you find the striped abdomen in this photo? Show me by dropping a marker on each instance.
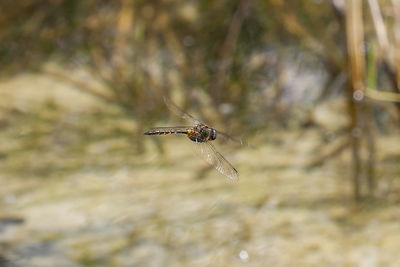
(167, 130)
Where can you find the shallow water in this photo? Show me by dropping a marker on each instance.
(74, 193)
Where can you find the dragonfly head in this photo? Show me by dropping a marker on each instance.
(213, 134)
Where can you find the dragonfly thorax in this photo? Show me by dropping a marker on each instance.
(202, 133)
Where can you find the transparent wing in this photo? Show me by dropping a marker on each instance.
(179, 112)
(208, 152)
(225, 138)
(230, 138)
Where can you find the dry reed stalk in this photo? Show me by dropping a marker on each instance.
(396, 9)
(354, 34)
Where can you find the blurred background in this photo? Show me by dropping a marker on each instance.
(312, 85)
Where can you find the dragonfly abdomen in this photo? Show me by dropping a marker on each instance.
(166, 131)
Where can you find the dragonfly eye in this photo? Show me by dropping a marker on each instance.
(213, 134)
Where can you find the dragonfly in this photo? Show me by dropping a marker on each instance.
(202, 136)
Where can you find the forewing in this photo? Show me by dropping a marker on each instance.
(208, 152)
(179, 112)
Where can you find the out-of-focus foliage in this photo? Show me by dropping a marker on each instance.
(232, 51)
(228, 51)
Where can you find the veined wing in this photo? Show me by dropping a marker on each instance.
(168, 130)
(179, 112)
(230, 138)
(208, 152)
